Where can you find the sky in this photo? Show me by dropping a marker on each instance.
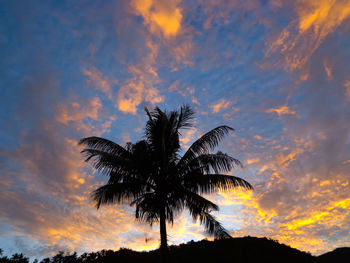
(275, 70)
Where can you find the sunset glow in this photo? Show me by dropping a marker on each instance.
(276, 71)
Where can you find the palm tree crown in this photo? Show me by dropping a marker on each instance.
(152, 176)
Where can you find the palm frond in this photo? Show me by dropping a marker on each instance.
(147, 208)
(148, 113)
(161, 135)
(114, 193)
(185, 117)
(213, 227)
(207, 163)
(205, 143)
(200, 208)
(106, 162)
(198, 204)
(219, 162)
(104, 145)
(211, 183)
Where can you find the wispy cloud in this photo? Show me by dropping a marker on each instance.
(283, 110)
(347, 91)
(302, 37)
(140, 87)
(99, 81)
(220, 105)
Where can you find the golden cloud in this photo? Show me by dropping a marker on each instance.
(160, 15)
(347, 91)
(295, 202)
(187, 136)
(254, 160)
(302, 37)
(283, 110)
(132, 94)
(328, 69)
(140, 87)
(257, 137)
(220, 105)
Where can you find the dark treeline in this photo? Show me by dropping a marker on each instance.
(246, 249)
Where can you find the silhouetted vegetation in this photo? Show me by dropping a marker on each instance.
(235, 250)
(339, 255)
(152, 175)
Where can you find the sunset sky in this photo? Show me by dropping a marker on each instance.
(278, 71)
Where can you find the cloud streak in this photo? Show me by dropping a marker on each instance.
(303, 36)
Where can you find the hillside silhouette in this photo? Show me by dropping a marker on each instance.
(235, 250)
(339, 255)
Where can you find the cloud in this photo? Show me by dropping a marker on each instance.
(220, 105)
(283, 110)
(188, 137)
(257, 137)
(181, 89)
(56, 212)
(77, 112)
(304, 175)
(140, 87)
(85, 116)
(99, 81)
(45, 177)
(167, 37)
(298, 41)
(328, 69)
(132, 94)
(347, 91)
(163, 16)
(255, 160)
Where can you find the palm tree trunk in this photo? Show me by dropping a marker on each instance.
(163, 235)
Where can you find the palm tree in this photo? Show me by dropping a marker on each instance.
(152, 175)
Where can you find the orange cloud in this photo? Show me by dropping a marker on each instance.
(187, 136)
(249, 201)
(98, 81)
(195, 101)
(302, 37)
(220, 105)
(181, 89)
(304, 200)
(258, 137)
(78, 111)
(347, 91)
(329, 215)
(254, 160)
(80, 115)
(159, 15)
(163, 18)
(140, 87)
(283, 110)
(328, 69)
(132, 94)
(326, 182)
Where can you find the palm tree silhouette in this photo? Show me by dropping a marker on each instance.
(152, 176)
